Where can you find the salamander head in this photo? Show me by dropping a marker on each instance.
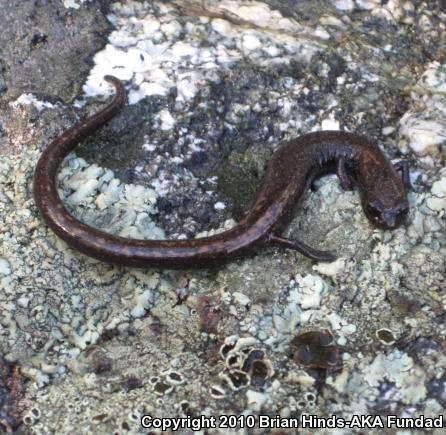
(384, 197)
(385, 216)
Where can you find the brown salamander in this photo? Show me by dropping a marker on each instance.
(356, 160)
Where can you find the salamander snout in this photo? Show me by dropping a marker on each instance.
(387, 217)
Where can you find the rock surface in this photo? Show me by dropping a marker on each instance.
(214, 87)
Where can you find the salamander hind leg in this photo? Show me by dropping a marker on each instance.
(307, 251)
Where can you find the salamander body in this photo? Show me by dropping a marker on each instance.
(293, 167)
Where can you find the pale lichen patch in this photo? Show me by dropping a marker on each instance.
(423, 127)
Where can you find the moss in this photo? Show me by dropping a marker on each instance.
(240, 176)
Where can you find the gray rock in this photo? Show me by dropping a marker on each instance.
(214, 87)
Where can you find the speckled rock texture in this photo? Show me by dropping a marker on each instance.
(213, 88)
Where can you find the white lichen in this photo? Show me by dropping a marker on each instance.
(423, 127)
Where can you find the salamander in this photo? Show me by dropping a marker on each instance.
(357, 160)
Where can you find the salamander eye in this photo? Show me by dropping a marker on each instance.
(373, 211)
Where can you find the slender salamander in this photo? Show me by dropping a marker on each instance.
(293, 167)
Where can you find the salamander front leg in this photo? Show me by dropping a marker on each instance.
(403, 167)
(304, 249)
(345, 178)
